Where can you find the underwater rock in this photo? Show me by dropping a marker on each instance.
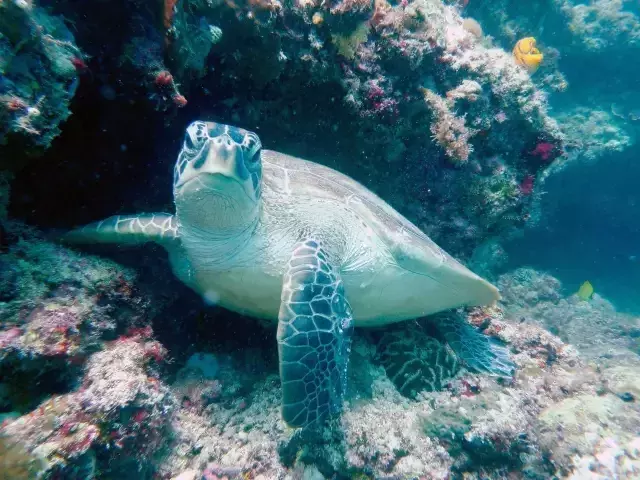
(8, 281)
(576, 425)
(356, 61)
(610, 459)
(39, 74)
(120, 407)
(58, 308)
(623, 380)
(382, 438)
(206, 363)
(187, 475)
(533, 296)
(53, 437)
(451, 426)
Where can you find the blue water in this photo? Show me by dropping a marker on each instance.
(590, 229)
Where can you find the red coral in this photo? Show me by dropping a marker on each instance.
(169, 6)
(155, 351)
(375, 92)
(469, 389)
(139, 416)
(67, 428)
(79, 64)
(163, 78)
(179, 100)
(124, 287)
(140, 332)
(526, 186)
(79, 445)
(543, 150)
(8, 336)
(14, 104)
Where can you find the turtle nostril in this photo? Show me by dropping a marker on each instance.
(224, 140)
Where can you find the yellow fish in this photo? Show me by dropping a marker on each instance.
(527, 55)
(585, 292)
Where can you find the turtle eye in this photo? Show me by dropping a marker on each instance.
(253, 157)
(195, 136)
(253, 148)
(193, 142)
(188, 142)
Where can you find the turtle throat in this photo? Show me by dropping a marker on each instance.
(216, 207)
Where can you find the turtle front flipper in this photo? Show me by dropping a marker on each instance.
(314, 337)
(161, 228)
(479, 352)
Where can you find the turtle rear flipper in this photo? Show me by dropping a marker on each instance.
(314, 337)
(479, 352)
(127, 229)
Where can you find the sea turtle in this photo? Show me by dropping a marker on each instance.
(288, 240)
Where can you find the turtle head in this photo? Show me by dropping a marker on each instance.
(217, 177)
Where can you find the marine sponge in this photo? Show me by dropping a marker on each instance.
(15, 462)
(39, 65)
(449, 424)
(473, 27)
(449, 131)
(347, 45)
(527, 55)
(416, 362)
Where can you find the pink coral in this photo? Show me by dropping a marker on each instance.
(449, 131)
(8, 336)
(526, 186)
(543, 150)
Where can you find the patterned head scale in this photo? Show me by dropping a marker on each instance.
(214, 148)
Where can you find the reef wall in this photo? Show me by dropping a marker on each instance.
(415, 103)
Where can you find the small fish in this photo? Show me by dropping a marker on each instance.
(585, 292)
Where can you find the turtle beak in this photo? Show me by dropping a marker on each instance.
(222, 156)
(220, 159)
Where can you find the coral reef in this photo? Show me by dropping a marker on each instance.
(595, 133)
(78, 361)
(40, 67)
(216, 412)
(421, 100)
(601, 25)
(609, 460)
(595, 28)
(56, 308)
(448, 130)
(471, 426)
(592, 326)
(73, 319)
(120, 412)
(356, 71)
(588, 41)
